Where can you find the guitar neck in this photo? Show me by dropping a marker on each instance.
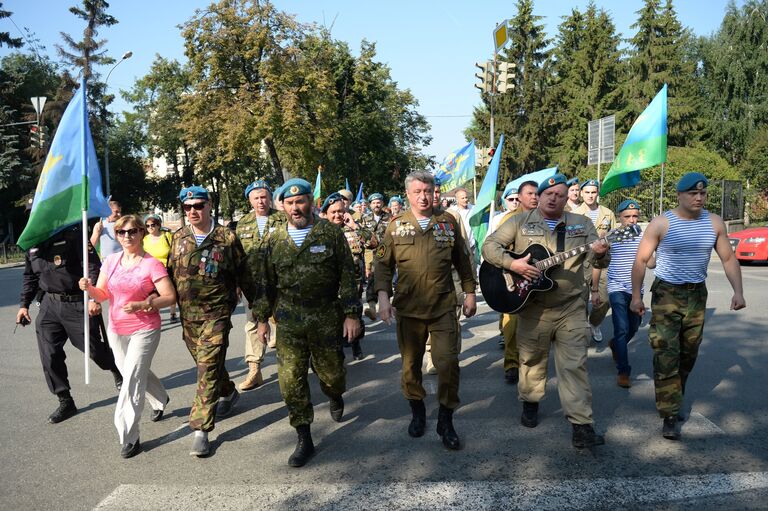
(560, 257)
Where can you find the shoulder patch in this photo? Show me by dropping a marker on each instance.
(381, 251)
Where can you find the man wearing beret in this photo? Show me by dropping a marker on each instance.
(207, 264)
(423, 245)
(396, 206)
(253, 230)
(625, 322)
(357, 235)
(683, 239)
(555, 316)
(309, 288)
(573, 194)
(604, 220)
(375, 221)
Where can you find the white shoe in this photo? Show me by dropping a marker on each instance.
(597, 334)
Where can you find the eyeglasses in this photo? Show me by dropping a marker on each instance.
(197, 206)
(151, 225)
(513, 199)
(127, 232)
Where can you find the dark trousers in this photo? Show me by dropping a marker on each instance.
(57, 322)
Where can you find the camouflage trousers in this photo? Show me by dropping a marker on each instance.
(315, 333)
(207, 342)
(676, 328)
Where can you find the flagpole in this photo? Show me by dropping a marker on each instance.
(84, 229)
(661, 191)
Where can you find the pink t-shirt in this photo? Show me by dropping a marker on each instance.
(131, 285)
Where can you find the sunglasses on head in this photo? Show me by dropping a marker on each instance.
(127, 232)
(197, 207)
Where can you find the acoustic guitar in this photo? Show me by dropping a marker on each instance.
(506, 291)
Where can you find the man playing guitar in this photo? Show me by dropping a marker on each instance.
(557, 316)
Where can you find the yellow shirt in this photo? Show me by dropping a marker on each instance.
(158, 246)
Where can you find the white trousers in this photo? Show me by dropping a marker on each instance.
(133, 356)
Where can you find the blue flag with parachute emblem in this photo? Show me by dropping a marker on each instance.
(457, 168)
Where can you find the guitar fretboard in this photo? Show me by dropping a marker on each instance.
(561, 256)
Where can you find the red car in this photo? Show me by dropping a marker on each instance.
(750, 244)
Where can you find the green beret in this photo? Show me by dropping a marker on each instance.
(193, 192)
(691, 181)
(557, 179)
(294, 187)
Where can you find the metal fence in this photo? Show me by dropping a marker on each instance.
(724, 197)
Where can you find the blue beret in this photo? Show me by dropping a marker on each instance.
(590, 182)
(259, 184)
(438, 181)
(628, 204)
(508, 190)
(330, 200)
(193, 192)
(572, 181)
(692, 180)
(397, 198)
(153, 216)
(557, 179)
(375, 196)
(294, 187)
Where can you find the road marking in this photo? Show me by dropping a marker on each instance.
(620, 492)
(389, 359)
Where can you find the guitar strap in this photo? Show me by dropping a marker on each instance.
(560, 231)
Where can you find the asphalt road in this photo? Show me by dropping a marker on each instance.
(369, 462)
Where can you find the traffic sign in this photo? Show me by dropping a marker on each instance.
(500, 36)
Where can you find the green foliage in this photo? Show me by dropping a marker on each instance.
(5, 37)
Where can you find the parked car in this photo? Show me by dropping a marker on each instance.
(750, 244)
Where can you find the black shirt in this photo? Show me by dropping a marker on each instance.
(55, 266)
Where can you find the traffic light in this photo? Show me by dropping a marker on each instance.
(505, 75)
(43, 131)
(480, 153)
(485, 76)
(34, 136)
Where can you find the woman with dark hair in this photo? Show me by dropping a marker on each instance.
(136, 285)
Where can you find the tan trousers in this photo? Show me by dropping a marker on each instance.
(255, 349)
(564, 329)
(508, 327)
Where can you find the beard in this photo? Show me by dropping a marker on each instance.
(299, 222)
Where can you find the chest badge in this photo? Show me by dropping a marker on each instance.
(57, 260)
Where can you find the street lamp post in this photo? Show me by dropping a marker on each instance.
(125, 56)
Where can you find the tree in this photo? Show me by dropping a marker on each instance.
(588, 71)
(735, 81)
(659, 55)
(5, 37)
(521, 114)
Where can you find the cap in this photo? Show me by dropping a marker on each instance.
(375, 196)
(346, 194)
(294, 187)
(330, 200)
(259, 184)
(692, 181)
(590, 182)
(557, 179)
(153, 216)
(628, 204)
(193, 192)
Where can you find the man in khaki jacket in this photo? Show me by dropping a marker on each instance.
(423, 245)
(604, 220)
(555, 316)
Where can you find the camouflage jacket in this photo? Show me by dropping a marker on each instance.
(318, 275)
(357, 239)
(378, 229)
(254, 243)
(207, 277)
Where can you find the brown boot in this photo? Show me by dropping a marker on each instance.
(623, 380)
(254, 378)
(371, 311)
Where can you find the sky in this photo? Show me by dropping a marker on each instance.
(431, 46)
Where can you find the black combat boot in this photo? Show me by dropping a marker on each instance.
(671, 429)
(357, 350)
(419, 420)
(336, 406)
(65, 410)
(304, 447)
(585, 436)
(530, 417)
(445, 429)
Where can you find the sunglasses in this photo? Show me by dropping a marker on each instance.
(151, 225)
(127, 232)
(513, 199)
(197, 207)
